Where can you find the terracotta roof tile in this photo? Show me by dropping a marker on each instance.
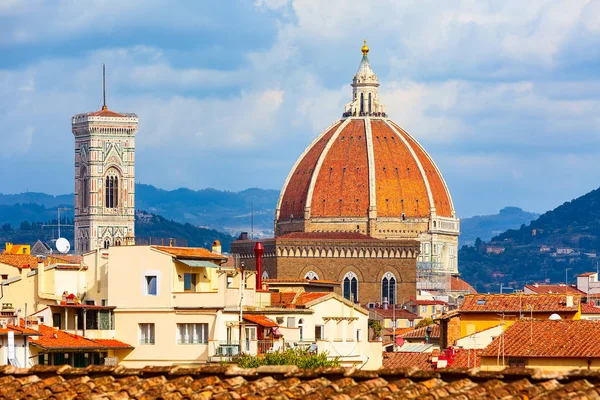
(419, 333)
(467, 358)
(18, 330)
(554, 289)
(427, 302)
(299, 281)
(421, 361)
(518, 302)
(19, 260)
(282, 299)
(52, 338)
(460, 285)
(307, 297)
(106, 113)
(587, 308)
(203, 382)
(190, 252)
(260, 320)
(62, 258)
(296, 190)
(342, 186)
(548, 338)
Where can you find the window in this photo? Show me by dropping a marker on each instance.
(319, 332)
(192, 333)
(358, 335)
(291, 322)
(423, 309)
(388, 288)
(85, 187)
(350, 287)
(146, 333)
(517, 363)
(90, 302)
(57, 320)
(189, 282)
(4, 277)
(117, 242)
(265, 275)
(104, 302)
(311, 275)
(112, 189)
(481, 302)
(301, 328)
(229, 281)
(151, 289)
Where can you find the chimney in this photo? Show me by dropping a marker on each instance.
(258, 253)
(569, 300)
(384, 303)
(216, 247)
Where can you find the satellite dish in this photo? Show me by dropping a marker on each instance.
(62, 245)
(399, 341)
(554, 317)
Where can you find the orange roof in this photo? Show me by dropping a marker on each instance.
(398, 313)
(282, 299)
(19, 260)
(307, 297)
(420, 361)
(105, 112)
(518, 303)
(419, 333)
(466, 358)
(52, 338)
(459, 285)
(556, 289)
(587, 308)
(260, 320)
(190, 252)
(401, 331)
(18, 330)
(548, 338)
(402, 172)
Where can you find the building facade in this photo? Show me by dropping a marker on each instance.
(104, 179)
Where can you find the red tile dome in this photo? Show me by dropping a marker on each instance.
(366, 174)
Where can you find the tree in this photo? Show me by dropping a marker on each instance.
(376, 327)
(300, 358)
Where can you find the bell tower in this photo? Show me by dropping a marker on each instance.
(104, 177)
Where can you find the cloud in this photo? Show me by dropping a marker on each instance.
(502, 94)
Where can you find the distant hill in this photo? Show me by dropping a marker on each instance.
(559, 244)
(231, 212)
(487, 226)
(150, 229)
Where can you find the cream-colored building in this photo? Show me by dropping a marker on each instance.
(181, 306)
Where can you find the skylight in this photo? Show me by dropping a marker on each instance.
(481, 302)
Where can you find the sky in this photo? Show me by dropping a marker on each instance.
(504, 95)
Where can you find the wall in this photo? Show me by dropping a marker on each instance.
(475, 322)
(479, 340)
(22, 351)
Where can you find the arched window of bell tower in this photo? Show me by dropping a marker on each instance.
(111, 189)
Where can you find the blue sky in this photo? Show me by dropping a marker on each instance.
(503, 94)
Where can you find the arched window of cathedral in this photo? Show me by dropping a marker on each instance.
(85, 188)
(311, 275)
(265, 275)
(350, 287)
(362, 103)
(117, 242)
(388, 288)
(106, 243)
(112, 188)
(301, 328)
(369, 103)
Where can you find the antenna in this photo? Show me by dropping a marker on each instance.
(252, 221)
(104, 86)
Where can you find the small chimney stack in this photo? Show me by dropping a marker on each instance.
(384, 303)
(216, 247)
(569, 300)
(258, 253)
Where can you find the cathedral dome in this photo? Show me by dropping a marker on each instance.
(365, 173)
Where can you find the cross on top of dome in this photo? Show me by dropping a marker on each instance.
(365, 85)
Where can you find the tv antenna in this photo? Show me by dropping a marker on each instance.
(58, 225)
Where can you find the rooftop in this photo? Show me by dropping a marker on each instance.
(55, 339)
(420, 333)
(460, 285)
(399, 313)
(549, 338)
(553, 289)
(190, 252)
(19, 260)
(519, 303)
(43, 382)
(326, 236)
